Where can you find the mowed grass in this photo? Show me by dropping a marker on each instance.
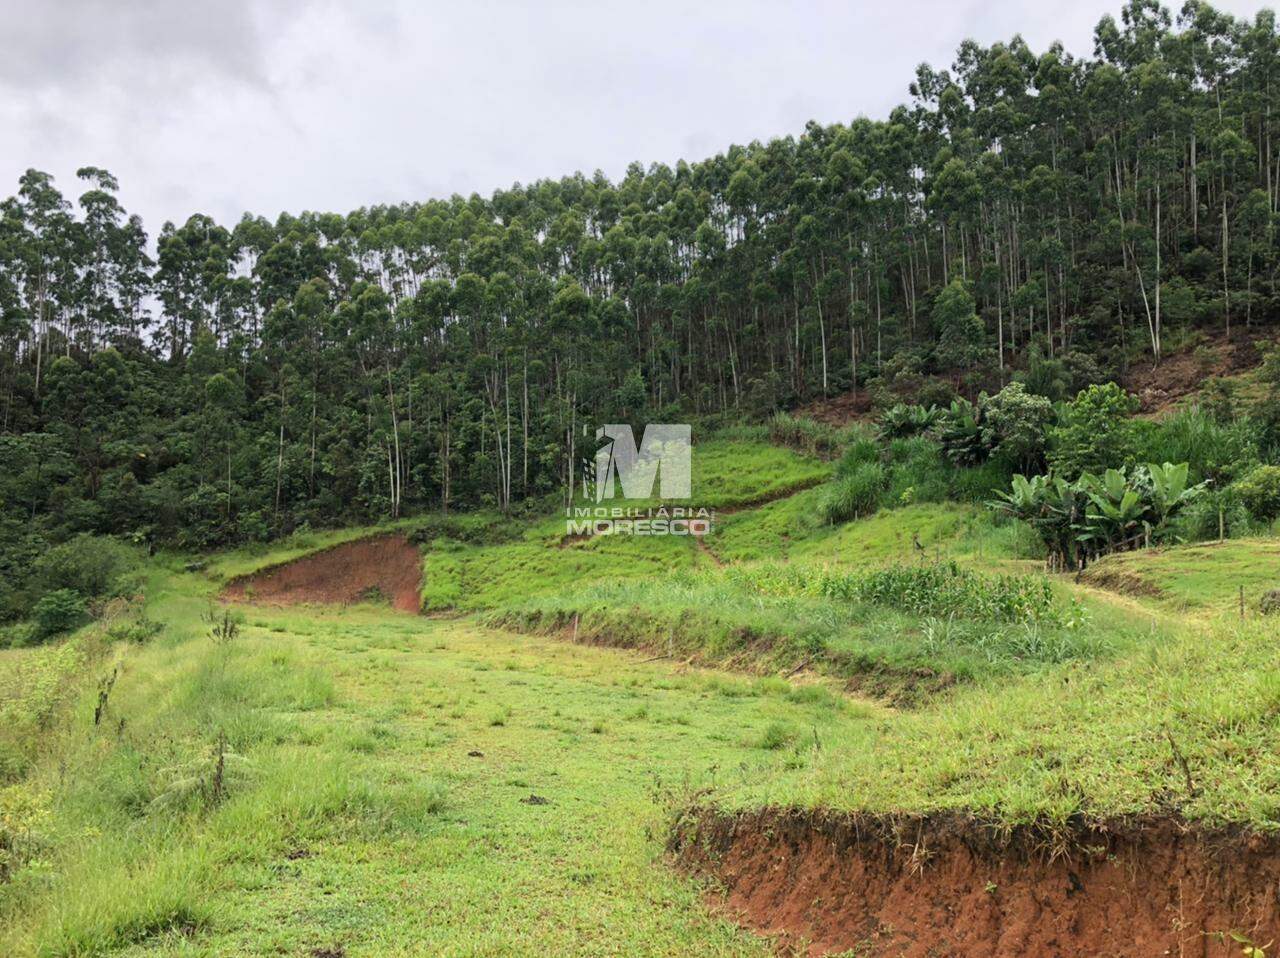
(353, 813)
(393, 785)
(1096, 739)
(511, 559)
(790, 528)
(735, 473)
(541, 559)
(1202, 577)
(363, 782)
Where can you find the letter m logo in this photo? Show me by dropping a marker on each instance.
(664, 454)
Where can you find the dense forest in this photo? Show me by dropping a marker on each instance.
(1025, 215)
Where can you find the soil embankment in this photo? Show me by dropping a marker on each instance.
(382, 567)
(948, 886)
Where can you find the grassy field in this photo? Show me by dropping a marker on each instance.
(345, 782)
(352, 812)
(537, 558)
(790, 528)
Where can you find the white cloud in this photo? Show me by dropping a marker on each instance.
(231, 105)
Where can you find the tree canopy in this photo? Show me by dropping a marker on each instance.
(1022, 208)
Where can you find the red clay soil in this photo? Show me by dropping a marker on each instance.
(920, 888)
(387, 566)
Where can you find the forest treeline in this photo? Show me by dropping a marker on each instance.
(1028, 215)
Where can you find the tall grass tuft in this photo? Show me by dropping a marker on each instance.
(854, 494)
(1216, 451)
(806, 435)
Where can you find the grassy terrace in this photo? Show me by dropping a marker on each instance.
(1202, 578)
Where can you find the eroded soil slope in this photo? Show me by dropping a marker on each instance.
(387, 567)
(931, 887)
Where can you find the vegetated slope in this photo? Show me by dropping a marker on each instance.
(380, 567)
(1183, 374)
(1207, 576)
(537, 559)
(398, 818)
(1162, 757)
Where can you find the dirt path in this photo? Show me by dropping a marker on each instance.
(382, 567)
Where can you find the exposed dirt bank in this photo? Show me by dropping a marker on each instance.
(1113, 578)
(946, 886)
(1184, 374)
(387, 567)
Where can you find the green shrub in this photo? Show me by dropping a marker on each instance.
(903, 421)
(917, 471)
(1014, 425)
(93, 566)
(58, 611)
(1095, 432)
(1259, 490)
(1216, 450)
(861, 451)
(854, 494)
(959, 431)
(980, 483)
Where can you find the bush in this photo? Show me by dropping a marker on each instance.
(1217, 511)
(1270, 604)
(1095, 433)
(960, 433)
(853, 495)
(918, 472)
(91, 565)
(1014, 426)
(1259, 490)
(858, 453)
(980, 483)
(903, 421)
(58, 611)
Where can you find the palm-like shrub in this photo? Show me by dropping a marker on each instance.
(902, 421)
(1260, 492)
(959, 431)
(1118, 510)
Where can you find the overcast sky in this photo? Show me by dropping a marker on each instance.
(222, 106)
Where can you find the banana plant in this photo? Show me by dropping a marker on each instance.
(960, 432)
(1080, 520)
(902, 420)
(1169, 490)
(1118, 508)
